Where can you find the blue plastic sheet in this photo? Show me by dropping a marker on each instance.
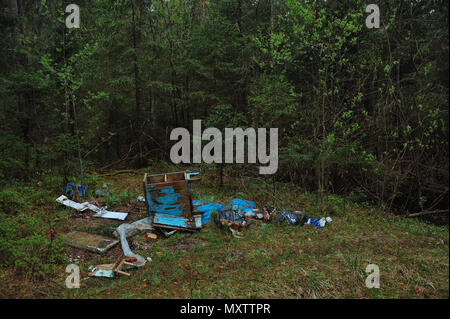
(207, 209)
(237, 204)
(242, 205)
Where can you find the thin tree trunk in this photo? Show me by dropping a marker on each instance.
(138, 109)
(14, 12)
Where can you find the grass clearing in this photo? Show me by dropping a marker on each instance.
(271, 261)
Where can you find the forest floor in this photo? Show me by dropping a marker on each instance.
(272, 261)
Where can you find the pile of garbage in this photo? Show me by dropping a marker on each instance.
(239, 213)
(166, 217)
(101, 244)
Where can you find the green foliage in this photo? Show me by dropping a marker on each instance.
(118, 199)
(12, 151)
(358, 109)
(13, 202)
(25, 242)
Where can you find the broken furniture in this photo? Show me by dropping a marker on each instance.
(77, 192)
(120, 263)
(169, 200)
(92, 242)
(108, 270)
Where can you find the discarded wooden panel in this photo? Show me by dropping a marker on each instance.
(165, 233)
(92, 242)
(108, 270)
(119, 265)
(169, 199)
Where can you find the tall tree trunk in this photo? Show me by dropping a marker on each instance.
(138, 109)
(137, 127)
(14, 12)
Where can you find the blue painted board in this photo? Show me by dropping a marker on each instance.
(170, 204)
(169, 199)
(170, 220)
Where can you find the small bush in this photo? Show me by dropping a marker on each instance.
(12, 201)
(24, 243)
(118, 199)
(25, 240)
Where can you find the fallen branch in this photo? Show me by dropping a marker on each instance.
(125, 157)
(125, 171)
(428, 212)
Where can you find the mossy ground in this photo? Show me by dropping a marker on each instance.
(271, 261)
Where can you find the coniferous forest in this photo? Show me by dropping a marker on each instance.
(362, 113)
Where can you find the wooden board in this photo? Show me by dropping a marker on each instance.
(169, 200)
(92, 242)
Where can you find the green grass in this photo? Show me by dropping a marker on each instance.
(271, 261)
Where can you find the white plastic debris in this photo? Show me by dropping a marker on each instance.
(316, 222)
(70, 203)
(100, 212)
(249, 214)
(127, 230)
(108, 273)
(198, 221)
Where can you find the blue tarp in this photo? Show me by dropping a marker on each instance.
(242, 205)
(237, 204)
(206, 208)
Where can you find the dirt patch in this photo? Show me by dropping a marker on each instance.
(186, 243)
